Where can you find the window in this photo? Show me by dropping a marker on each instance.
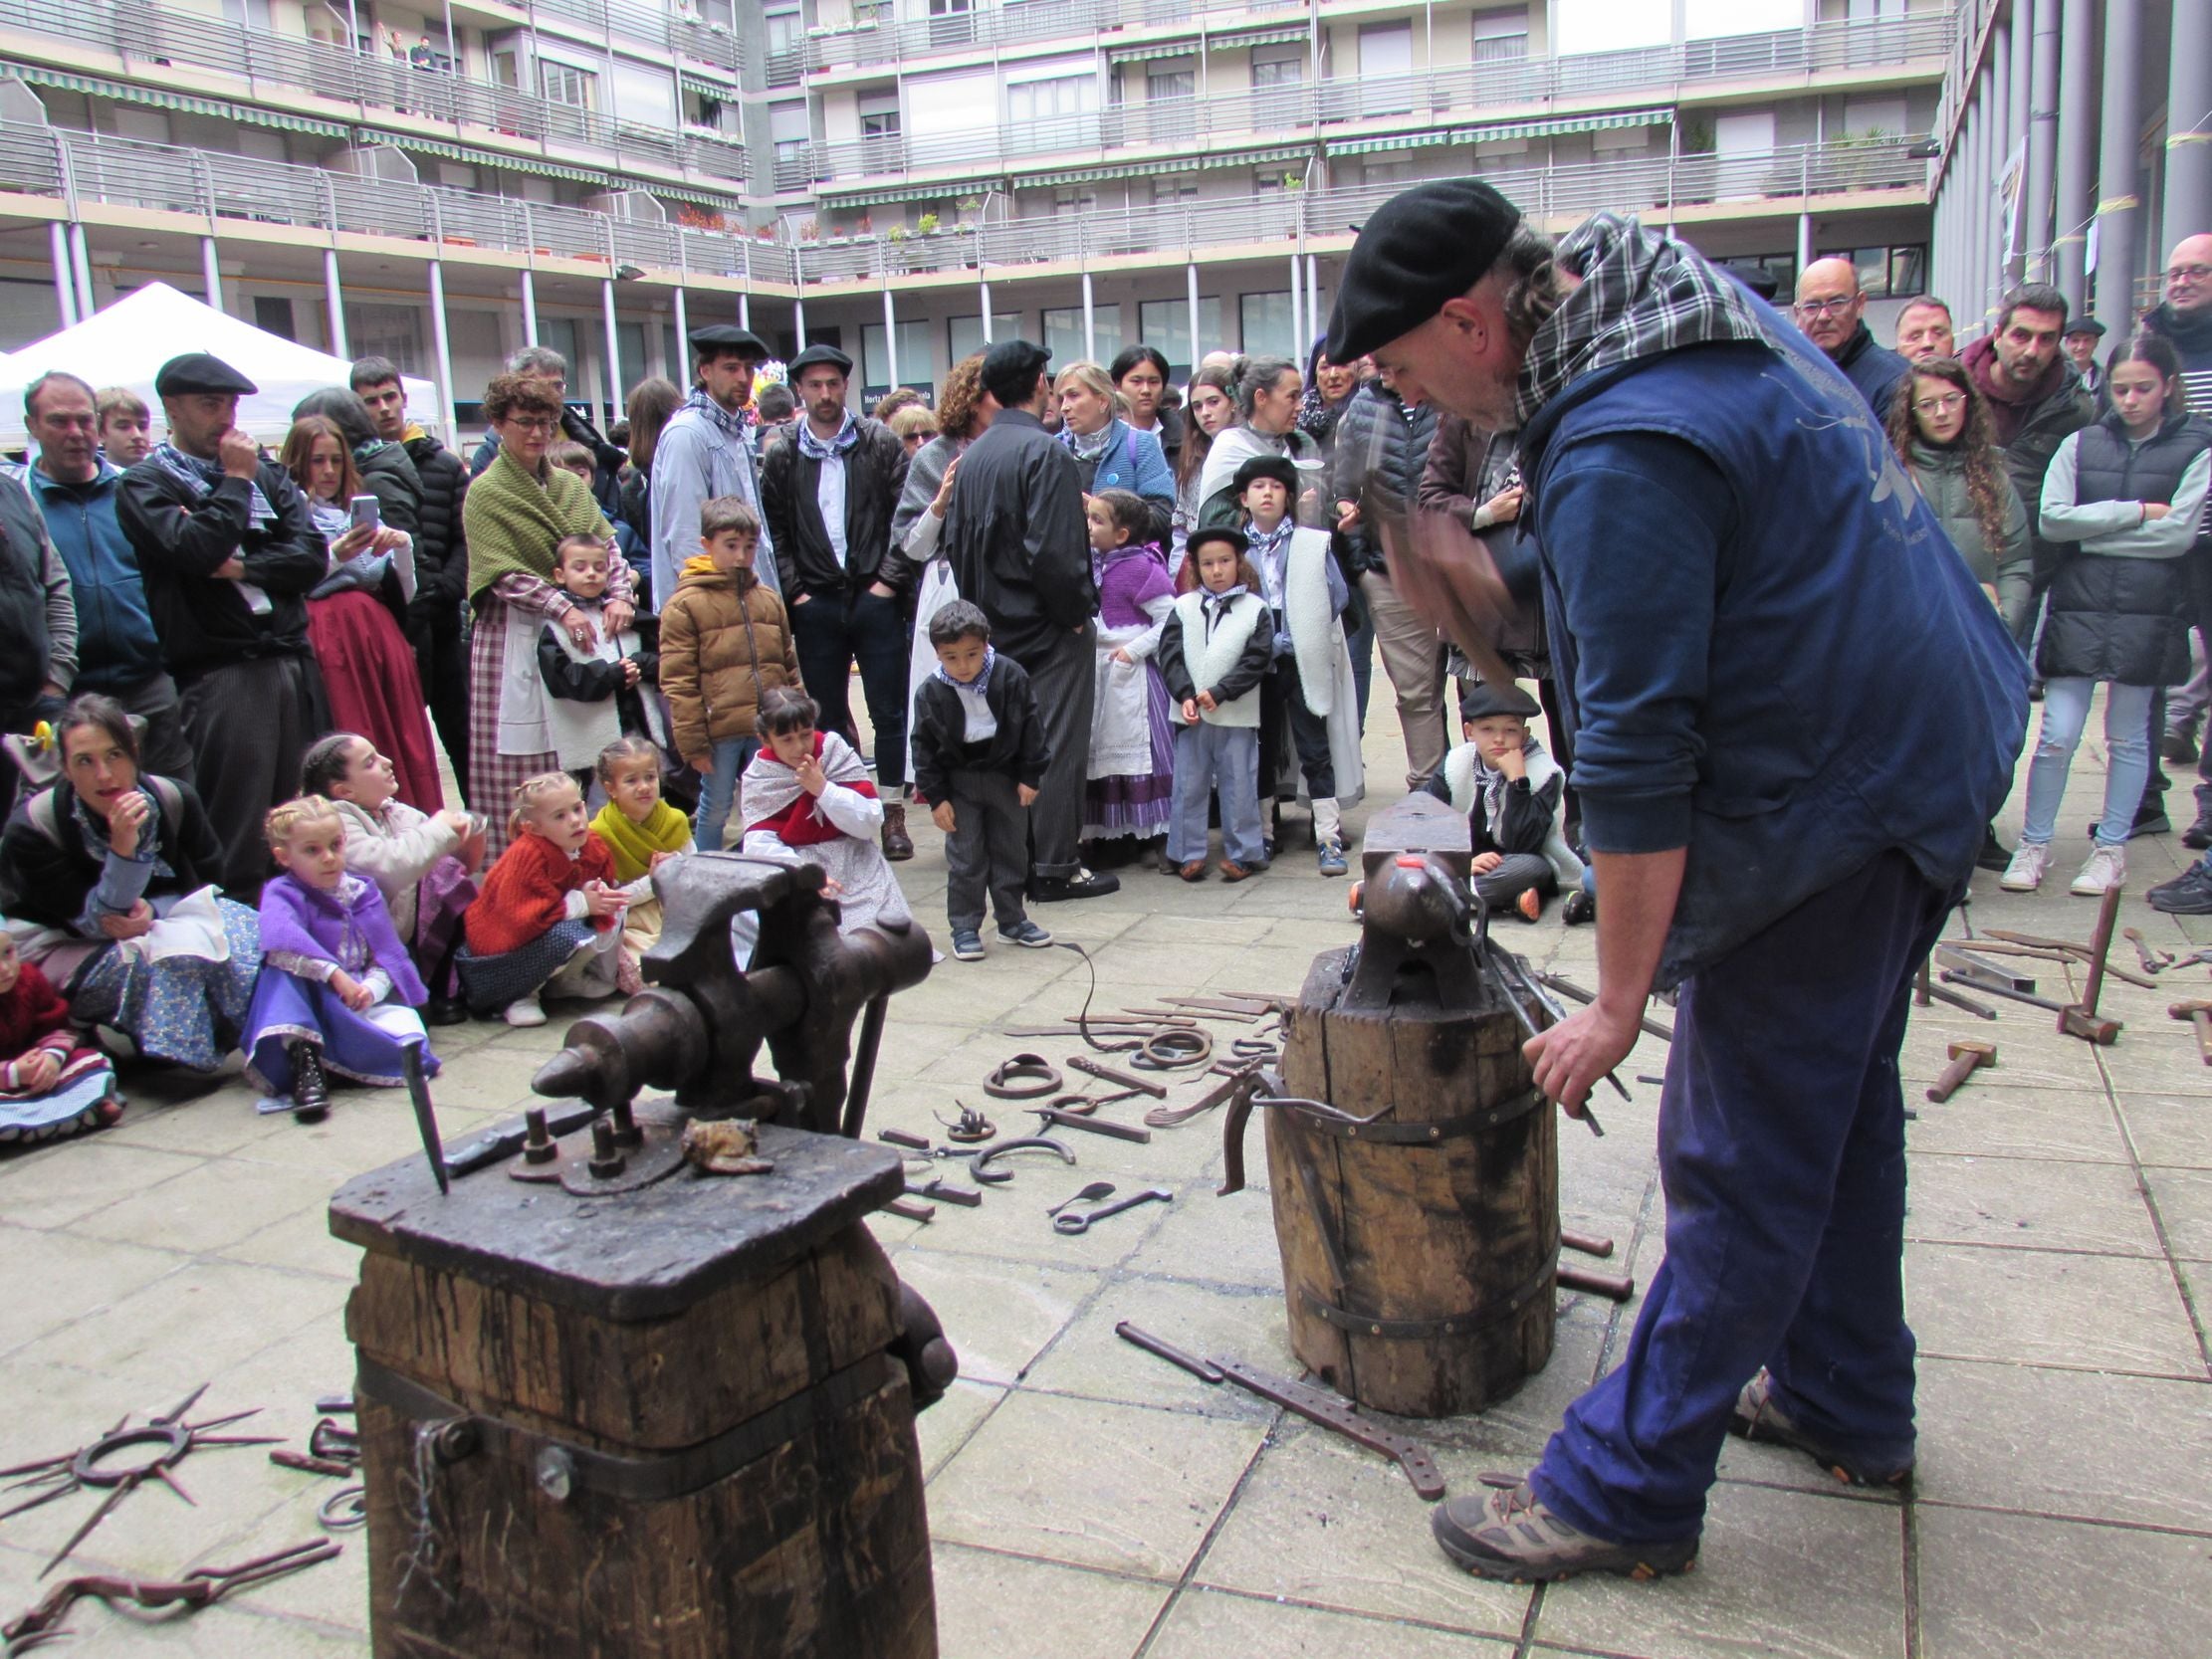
(1165, 324)
(952, 23)
(1071, 204)
(1171, 188)
(566, 83)
(914, 365)
(1279, 65)
(1063, 333)
(1032, 101)
(785, 31)
(273, 316)
(1501, 36)
(394, 331)
(879, 114)
(1163, 82)
(1263, 321)
(1889, 273)
(1385, 69)
(965, 335)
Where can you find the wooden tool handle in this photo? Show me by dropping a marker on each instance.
(1957, 1072)
(1598, 1283)
(2202, 1020)
(2100, 945)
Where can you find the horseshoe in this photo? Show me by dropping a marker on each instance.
(1173, 1048)
(1031, 1143)
(1027, 1077)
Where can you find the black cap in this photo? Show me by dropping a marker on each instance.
(2087, 326)
(1421, 248)
(1280, 467)
(1011, 369)
(201, 371)
(1481, 702)
(1216, 533)
(815, 354)
(724, 339)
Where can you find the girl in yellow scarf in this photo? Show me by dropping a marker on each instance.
(642, 831)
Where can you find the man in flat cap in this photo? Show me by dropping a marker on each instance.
(827, 494)
(704, 452)
(1019, 546)
(1794, 712)
(229, 552)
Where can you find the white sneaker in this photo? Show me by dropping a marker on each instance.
(2026, 871)
(2105, 869)
(525, 1010)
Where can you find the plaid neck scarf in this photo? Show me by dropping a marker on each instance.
(201, 476)
(1642, 295)
(979, 684)
(729, 424)
(814, 449)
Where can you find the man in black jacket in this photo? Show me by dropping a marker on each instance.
(1831, 309)
(229, 553)
(441, 558)
(1020, 550)
(827, 492)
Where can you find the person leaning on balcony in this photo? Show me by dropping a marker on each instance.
(229, 552)
(118, 653)
(1831, 309)
(1798, 678)
(1268, 395)
(705, 453)
(544, 363)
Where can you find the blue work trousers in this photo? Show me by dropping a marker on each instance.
(1781, 1146)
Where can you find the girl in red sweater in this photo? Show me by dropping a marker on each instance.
(549, 914)
(50, 1086)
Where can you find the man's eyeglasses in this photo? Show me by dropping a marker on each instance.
(1825, 308)
(2189, 274)
(1940, 406)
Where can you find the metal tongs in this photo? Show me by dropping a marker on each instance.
(43, 1623)
(1513, 979)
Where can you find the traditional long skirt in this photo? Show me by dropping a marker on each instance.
(493, 775)
(369, 674)
(363, 1046)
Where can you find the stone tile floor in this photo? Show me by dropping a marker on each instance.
(1091, 1503)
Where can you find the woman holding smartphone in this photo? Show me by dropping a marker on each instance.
(356, 617)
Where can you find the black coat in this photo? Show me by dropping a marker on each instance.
(940, 745)
(1381, 447)
(1016, 536)
(875, 473)
(441, 544)
(181, 540)
(47, 879)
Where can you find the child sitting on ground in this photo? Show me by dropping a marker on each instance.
(594, 695)
(336, 993)
(1214, 654)
(726, 641)
(641, 831)
(48, 1084)
(549, 918)
(807, 798)
(979, 755)
(1130, 794)
(424, 863)
(1310, 706)
(1509, 788)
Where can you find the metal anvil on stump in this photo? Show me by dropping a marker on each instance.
(1412, 1164)
(615, 1407)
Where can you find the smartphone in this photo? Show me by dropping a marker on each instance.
(367, 513)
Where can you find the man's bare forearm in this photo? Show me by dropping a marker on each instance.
(1636, 893)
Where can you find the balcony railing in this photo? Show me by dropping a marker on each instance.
(1463, 94)
(85, 168)
(158, 37)
(1649, 186)
(1012, 24)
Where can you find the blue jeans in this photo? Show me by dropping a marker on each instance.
(1781, 1142)
(2065, 709)
(717, 792)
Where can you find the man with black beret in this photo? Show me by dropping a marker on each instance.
(704, 452)
(1794, 712)
(1019, 548)
(228, 554)
(827, 492)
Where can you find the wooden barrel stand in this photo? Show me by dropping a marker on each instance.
(1418, 1252)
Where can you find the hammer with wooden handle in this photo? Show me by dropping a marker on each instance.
(1966, 1057)
(2199, 1014)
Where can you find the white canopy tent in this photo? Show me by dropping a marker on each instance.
(126, 344)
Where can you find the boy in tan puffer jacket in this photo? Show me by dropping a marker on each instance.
(724, 640)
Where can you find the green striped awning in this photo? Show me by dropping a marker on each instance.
(1425, 138)
(494, 158)
(706, 86)
(1094, 175)
(950, 191)
(1236, 38)
(159, 97)
(1157, 49)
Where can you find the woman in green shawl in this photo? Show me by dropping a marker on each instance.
(516, 514)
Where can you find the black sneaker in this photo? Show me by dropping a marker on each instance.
(2198, 835)
(2150, 819)
(2188, 894)
(1054, 890)
(1993, 854)
(1580, 907)
(2179, 750)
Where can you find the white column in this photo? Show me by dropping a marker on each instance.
(2043, 137)
(1317, 318)
(1804, 243)
(2188, 127)
(798, 320)
(2077, 160)
(1297, 312)
(64, 286)
(890, 343)
(745, 309)
(2118, 211)
(83, 260)
(983, 285)
(333, 301)
(614, 350)
(444, 344)
(1190, 295)
(529, 308)
(677, 371)
(1090, 320)
(211, 273)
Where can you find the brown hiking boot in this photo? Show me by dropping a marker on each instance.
(1511, 1536)
(898, 846)
(1758, 1418)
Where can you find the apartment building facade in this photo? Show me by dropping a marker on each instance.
(445, 180)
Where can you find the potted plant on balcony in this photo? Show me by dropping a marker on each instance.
(809, 231)
(926, 225)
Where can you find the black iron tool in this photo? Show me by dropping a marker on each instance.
(497, 1145)
(426, 1114)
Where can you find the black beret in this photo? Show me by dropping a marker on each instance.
(1280, 467)
(726, 340)
(1482, 701)
(201, 371)
(815, 354)
(2086, 325)
(1216, 533)
(1013, 366)
(1421, 248)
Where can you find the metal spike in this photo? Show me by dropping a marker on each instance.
(160, 1472)
(99, 1515)
(190, 1400)
(41, 1498)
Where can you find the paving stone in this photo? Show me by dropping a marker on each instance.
(1089, 1359)
(2072, 1124)
(1206, 1623)
(2184, 1200)
(1010, 1607)
(2017, 1586)
(2028, 1203)
(1986, 1441)
(1778, 1574)
(2048, 1308)
(2169, 1129)
(56, 1277)
(1222, 1241)
(225, 1201)
(998, 1315)
(944, 1428)
(58, 1183)
(1124, 1488)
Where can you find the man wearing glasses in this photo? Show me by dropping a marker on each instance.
(1831, 309)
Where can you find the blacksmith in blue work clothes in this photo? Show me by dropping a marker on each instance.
(1794, 712)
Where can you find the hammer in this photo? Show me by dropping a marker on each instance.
(2199, 1014)
(1966, 1057)
(2080, 1019)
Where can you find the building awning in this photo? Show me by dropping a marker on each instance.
(1425, 138)
(684, 193)
(1157, 49)
(948, 191)
(1235, 40)
(706, 86)
(1191, 163)
(160, 99)
(495, 158)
